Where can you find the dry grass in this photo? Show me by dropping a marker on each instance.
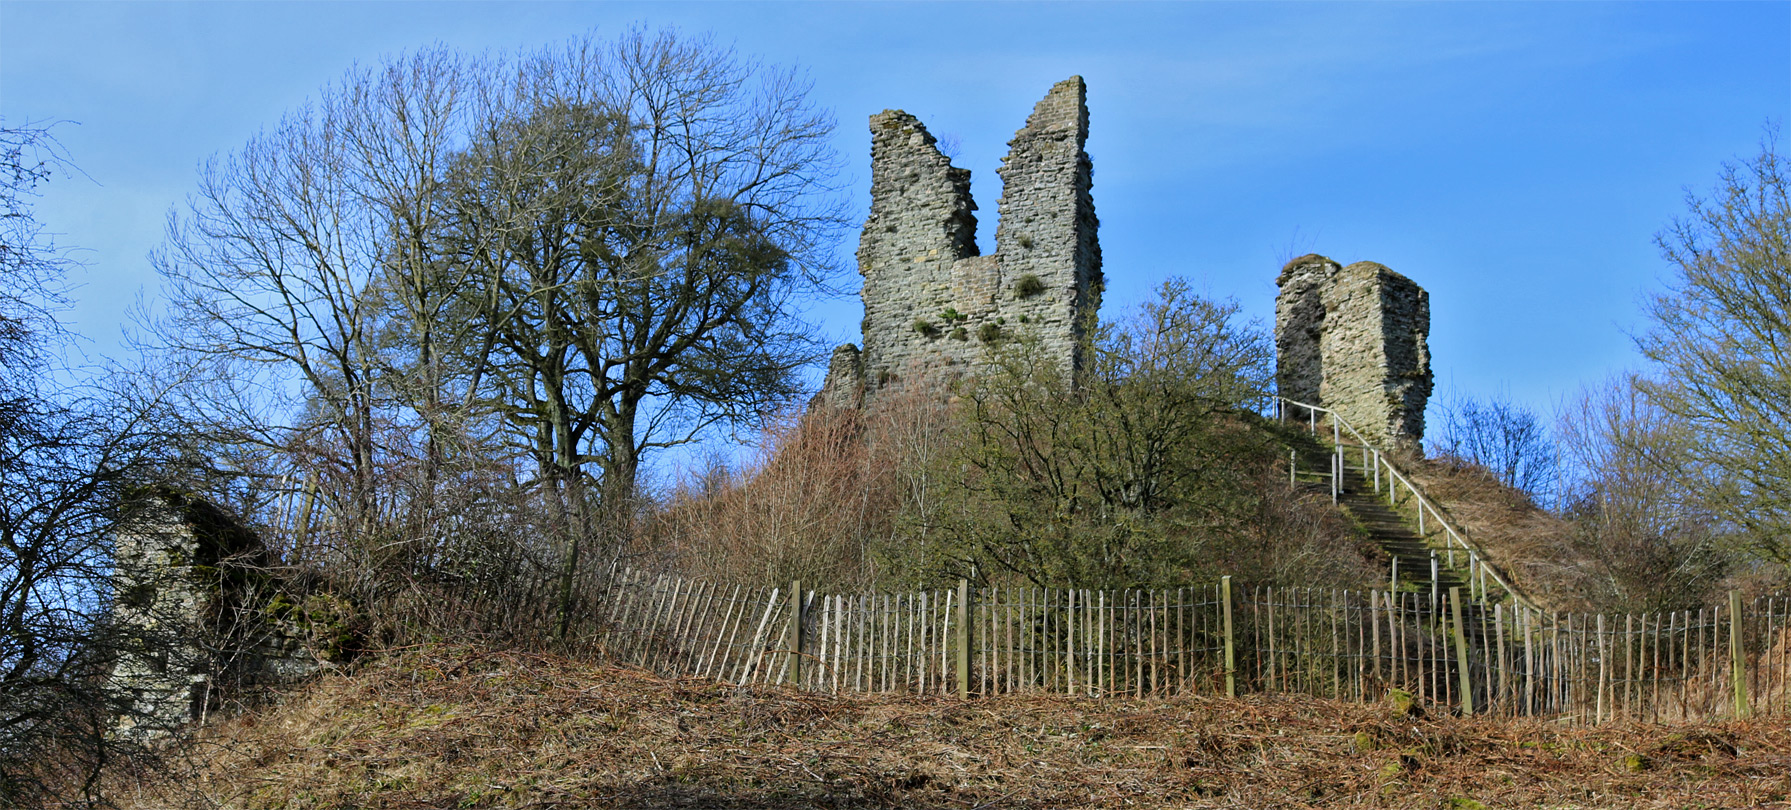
(824, 490)
(453, 727)
(801, 510)
(1524, 540)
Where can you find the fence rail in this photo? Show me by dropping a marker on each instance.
(1449, 651)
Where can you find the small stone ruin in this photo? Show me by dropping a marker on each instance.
(1353, 339)
(197, 614)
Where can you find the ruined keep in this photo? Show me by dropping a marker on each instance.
(1353, 339)
(931, 302)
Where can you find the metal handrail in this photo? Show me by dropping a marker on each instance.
(1477, 559)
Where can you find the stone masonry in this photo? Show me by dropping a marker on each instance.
(1353, 339)
(931, 303)
(187, 611)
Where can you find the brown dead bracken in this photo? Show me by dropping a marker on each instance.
(445, 727)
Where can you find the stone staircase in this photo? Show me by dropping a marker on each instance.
(1424, 557)
(1415, 564)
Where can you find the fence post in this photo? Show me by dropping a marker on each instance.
(963, 639)
(1231, 682)
(1461, 651)
(1737, 656)
(797, 607)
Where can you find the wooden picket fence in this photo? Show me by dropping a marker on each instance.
(1447, 650)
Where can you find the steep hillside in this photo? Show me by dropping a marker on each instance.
(453, 727)
(1527, 542)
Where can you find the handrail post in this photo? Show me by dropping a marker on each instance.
(1435, 587)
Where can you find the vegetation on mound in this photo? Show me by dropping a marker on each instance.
(454, 727)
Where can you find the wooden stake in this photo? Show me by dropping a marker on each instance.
(797, 608)
(1737, 656)
(964, 637)
(1461, 651)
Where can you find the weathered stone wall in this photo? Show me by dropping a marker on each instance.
(931, 301)
(1353, 339)
(1048, 226)
(190, 599)
(161, 593)
(1299, 322)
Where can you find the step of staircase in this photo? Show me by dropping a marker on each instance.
(1386, 527)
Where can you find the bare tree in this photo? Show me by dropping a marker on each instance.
(1646, 542)
(67, 466)
(1505, 438)
(1720, 341)
(304, 331)
(450, 267)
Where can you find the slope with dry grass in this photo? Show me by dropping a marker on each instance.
(1524, 540)
(453, 727)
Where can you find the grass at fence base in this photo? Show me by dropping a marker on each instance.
(453, 727)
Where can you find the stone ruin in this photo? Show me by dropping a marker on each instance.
(197, 616)
(931, 302)
(1348, 338)
(1353, 339)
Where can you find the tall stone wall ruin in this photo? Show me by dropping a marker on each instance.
(1354, 339)
(932, 303)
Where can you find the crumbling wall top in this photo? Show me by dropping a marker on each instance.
(931, 300)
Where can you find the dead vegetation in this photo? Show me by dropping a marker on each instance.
(1524, 540)
(456, 727)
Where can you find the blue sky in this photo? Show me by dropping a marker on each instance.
(1515, 159)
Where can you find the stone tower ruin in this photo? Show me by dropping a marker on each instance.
(1353, 339)
(931, 302)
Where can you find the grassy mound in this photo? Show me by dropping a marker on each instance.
(454, 727)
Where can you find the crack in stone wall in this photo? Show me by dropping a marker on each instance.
(1354, 339)
(931, 302)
